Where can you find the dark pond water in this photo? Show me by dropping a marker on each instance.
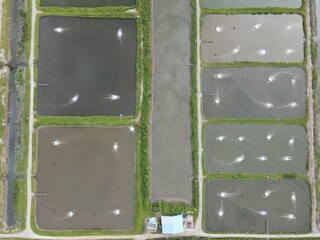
(85, 178)
(87, 67)
(257, 206)
(255, 148)
(171, 145)
(250, 3)
(257, 38)
(257, 92)
(86, 3)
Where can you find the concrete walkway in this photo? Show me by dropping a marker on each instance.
(312, 160)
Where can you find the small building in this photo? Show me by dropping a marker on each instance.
(152, 225)
(172, 224)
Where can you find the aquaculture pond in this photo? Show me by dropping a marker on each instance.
(262, 206)
(87, 67)
(250, 3)
(85, 178)
(86, 3)
(256, 38)
(242, 148)
(254, 92)
(171, 144)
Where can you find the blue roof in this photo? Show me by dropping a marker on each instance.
(172, 225)
(152, 220)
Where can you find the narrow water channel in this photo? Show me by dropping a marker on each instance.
(11, 220)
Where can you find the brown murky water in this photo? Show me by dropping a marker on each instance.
(256, 38)
(87, 67)
(257, 206)
(85, 178)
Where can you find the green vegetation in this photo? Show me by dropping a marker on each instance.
(81, 121)
(145, 6)
(20, 199)
(5, 28)
(255, 176)
(20, 190)
(194, 109)
(302, 121)
(266, 10)
(102, 9)
(173, 208)
(25, 16)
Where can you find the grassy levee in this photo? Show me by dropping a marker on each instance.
(256, 10)
(194, 109)
(101, 8)
(5, 29)
(81, 121)
(255, 176)
(301, 121)
(145, 6)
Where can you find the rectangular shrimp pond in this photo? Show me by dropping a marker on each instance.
(86, 3)
(256, 38)
(171, 150)
(254, 92)
(235, 148)
(87, 67)
(262, 206)
(85, 178)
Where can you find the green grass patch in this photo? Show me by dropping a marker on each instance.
(81, 121)
(5, 29)
(145, 6)
(194, 109)
(101, 8)
(20, 198)
(256, 10)
(302, 121)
